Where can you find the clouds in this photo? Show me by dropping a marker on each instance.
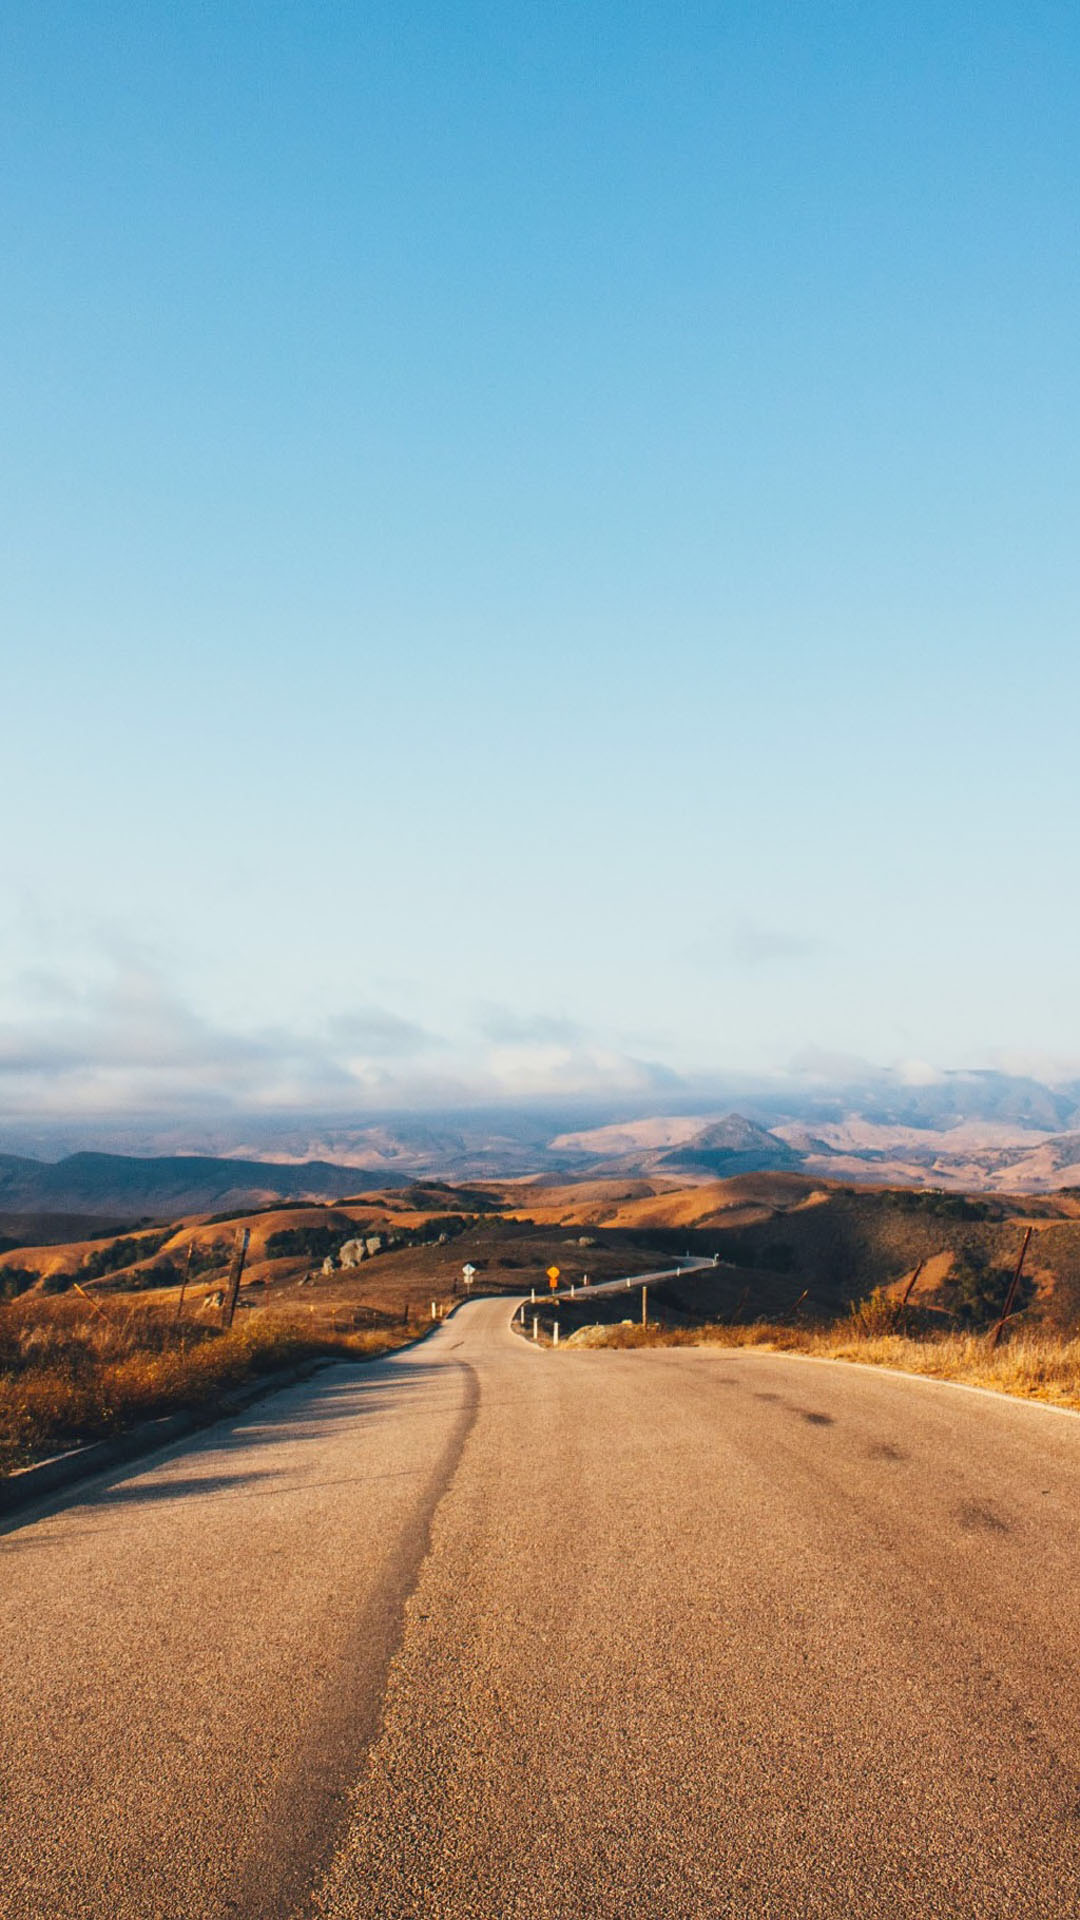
(376, 1033)
(505, 1027)
(127, 1045)
(117, 1037)
(752, 947)
(128, 1042)
(831, 1067)
(540, 1070)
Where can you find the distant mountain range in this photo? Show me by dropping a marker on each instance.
(118, 1185)
(718, 1150)
(971, 1156)
(730, 1146)
(965, 1131)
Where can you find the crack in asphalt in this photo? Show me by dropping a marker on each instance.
(296, 1837)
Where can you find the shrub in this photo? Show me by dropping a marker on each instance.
(879, 1313)
(976, 1290)
(944, 1206)
(16, 1280)
(310, 1243)
(122, 1253)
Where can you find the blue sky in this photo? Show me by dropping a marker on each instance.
(539, 546)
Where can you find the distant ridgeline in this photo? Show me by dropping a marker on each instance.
(117, 1185)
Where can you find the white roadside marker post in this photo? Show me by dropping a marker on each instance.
(644, 1306)
(555, 1333)
(536, 1324)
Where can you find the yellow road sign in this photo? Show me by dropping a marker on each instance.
(553, 1276)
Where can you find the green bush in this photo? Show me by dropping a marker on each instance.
(122, 1253)
(16, 1280)
(944, 1206)
(976, 1289)
(308, 1243)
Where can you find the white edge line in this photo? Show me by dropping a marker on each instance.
(895, 1373)
(997, 1394)
(828, 1360)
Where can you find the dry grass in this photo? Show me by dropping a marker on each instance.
(72, 1371)
(1031, 1365)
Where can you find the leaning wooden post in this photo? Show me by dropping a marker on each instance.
(232, 1290)
(184, 1280)
(908, 1290)
(89, 1301)
(1011, 1295)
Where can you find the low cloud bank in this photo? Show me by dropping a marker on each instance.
(133, 1045)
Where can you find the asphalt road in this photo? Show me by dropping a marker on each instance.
(489, 1630)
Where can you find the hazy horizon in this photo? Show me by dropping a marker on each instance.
(980, 1110)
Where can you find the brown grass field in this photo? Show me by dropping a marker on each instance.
(72, 1372)
(102, 1354)
(1033, 1366)
(91, 1340)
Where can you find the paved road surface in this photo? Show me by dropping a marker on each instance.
(490, 1631)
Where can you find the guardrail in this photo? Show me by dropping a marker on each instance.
(533, 1308)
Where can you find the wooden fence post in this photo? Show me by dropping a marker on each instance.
(185, 1278)
(911, 1283)
(232, 1288)
(1011, 1295)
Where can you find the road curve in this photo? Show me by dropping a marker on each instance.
(489, 1630)
(579, 1290)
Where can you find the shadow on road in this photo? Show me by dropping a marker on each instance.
(321, 1409)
